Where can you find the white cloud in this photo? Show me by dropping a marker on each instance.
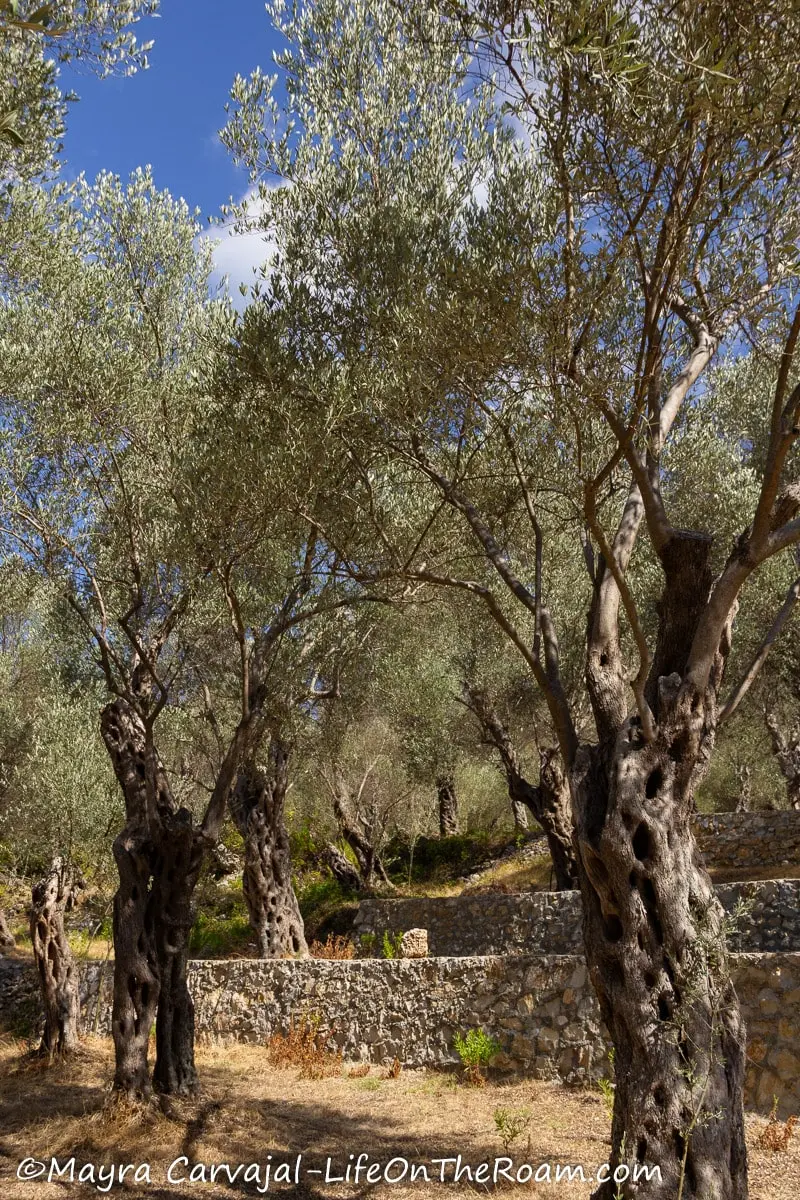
(238, 257)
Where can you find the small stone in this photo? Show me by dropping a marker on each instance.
(414, 944)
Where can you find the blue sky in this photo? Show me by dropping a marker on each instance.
(169, 115)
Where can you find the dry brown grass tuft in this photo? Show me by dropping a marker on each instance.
(334, 947)
(304, 1047)
(776, 1135)
(393, 1072)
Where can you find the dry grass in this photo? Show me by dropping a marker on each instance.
(776, 1135)
(306, 1048)
(335, 947)
(516, 874)
(247, 1109)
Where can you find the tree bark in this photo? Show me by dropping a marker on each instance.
(158, 854)
(257, 806)
(654, 932)
(137, 977)
(549, 803)
(448, 806)
(58, 976)
(655, 947)
(520, 814)
(358, 831)
(175, 873)
(786, 748)
(137, 973)
(6, 936)
(341, 868)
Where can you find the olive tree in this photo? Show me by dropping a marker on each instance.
(530, 354)
(107, 342)
(37, 39)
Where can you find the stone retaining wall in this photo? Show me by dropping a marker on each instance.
(550, 922)
(542, 1010)
(758, 839)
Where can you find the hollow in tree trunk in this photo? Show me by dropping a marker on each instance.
(257, 806)
(448, 806)
(58, 976)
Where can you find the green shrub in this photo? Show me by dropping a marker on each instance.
(476, 1050)
(367, 944)
(391, 944)
(216, 936)
(510, 1123)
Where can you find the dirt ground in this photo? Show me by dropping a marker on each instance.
(247, 1110)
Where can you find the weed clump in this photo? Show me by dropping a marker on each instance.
(335, 947)
(303, 1046)
(475, 1050)
(776, 1134)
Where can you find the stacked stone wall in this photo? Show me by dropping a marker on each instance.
(541, 1010)
(767, 918)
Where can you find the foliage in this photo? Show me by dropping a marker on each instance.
(476, 1049)
(391, 944)
(510, 1124)
(36, 39)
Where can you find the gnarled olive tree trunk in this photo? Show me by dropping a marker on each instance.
(341, 868)
(58, 975)
(358, 828)
(158, 854)
(448, 805)
(654, 932)
(549, 802)
(257, 806)
(520, 814)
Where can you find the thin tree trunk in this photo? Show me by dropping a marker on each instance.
(6, 936)
(786, 748)
(357, 832)
(549, 802)
(58, 976)
(257, 806)
(448, 806)
(341, 868)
